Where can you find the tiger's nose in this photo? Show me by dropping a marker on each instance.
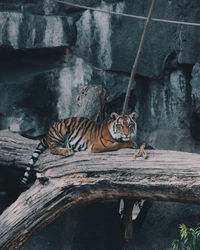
(126, 133)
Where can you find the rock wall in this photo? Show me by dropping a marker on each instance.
(49, 51)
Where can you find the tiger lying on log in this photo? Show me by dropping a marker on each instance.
(77, 134)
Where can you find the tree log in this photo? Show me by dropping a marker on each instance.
(87, 177)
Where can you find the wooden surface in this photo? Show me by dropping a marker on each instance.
(87, 177)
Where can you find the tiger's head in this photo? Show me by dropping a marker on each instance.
(123, 127)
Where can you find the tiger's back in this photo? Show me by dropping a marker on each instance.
(75, 133)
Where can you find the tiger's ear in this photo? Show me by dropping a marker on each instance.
(132, 115)
(114, 116)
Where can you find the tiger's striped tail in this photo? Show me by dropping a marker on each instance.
(41, 147)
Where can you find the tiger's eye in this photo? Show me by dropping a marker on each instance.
(131, 125)
(119, 126)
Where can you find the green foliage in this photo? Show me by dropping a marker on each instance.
(190, 239)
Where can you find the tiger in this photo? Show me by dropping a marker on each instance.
(82, 134)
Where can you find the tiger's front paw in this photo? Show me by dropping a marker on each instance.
(129, 144)
(134, 144)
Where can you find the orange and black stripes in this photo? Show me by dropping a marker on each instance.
(77, 134)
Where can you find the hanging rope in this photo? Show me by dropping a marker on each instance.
(125, 15)
(138, 57)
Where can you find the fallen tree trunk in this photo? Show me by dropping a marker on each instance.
(84, 178)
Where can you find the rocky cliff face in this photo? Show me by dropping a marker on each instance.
(49, 51)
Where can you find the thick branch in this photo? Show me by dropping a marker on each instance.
(84, 178)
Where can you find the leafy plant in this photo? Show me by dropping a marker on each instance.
(190, 239)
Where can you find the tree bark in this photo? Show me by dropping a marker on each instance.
(91, 100)
(84, 178)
